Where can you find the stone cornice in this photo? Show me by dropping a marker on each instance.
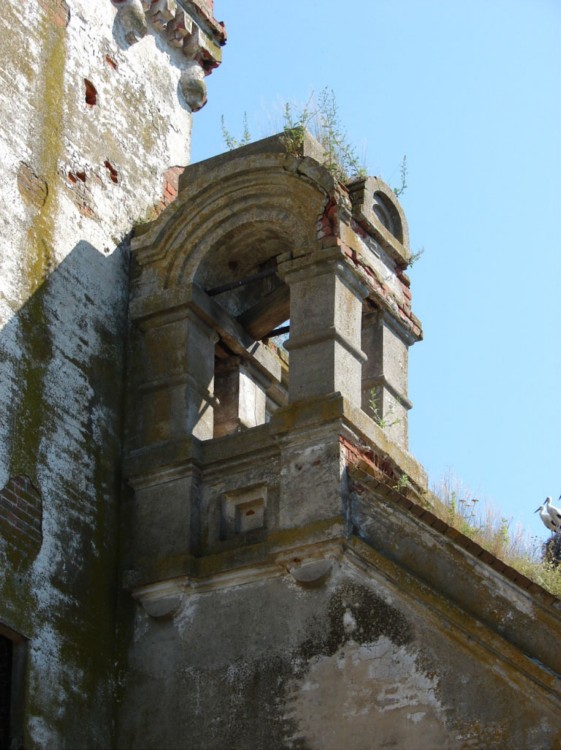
(183, 25)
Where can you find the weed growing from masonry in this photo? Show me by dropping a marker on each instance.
(403, 483)
(377, 415)
(416, 256)
(229, 140)
(321, 117)
(456, 505)
(403, 176)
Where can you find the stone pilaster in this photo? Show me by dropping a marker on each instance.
(325, 320)
(240, 398)
(385, 375)
(176, 395)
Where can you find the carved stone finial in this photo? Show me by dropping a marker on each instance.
(193, 86)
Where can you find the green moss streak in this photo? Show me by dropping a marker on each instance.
(30, 417)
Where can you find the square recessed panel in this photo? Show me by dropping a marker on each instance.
(243, 511)
(249, 516)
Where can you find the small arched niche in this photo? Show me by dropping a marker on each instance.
(377, 209)
(387, 214)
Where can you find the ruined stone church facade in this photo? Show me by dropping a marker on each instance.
(206, 539)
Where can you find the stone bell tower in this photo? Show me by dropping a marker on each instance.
(289, 585)
(236, 446)
(261, 238)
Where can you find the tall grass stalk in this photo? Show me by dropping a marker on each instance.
(459, 507)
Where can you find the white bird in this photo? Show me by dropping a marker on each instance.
(550, 515)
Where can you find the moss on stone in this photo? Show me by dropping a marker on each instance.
(31, 418)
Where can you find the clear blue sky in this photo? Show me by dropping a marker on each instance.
(471, 93)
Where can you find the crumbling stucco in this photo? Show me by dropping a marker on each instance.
(90, 128)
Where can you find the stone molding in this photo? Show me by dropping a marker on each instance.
(316, 562)
(183, 26)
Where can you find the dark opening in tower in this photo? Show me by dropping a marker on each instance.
(251, 365)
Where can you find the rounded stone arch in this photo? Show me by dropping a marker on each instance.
(228, 192)
(235, 218)
(236, 215)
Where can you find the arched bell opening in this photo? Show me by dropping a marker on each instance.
(231, 262)
(241, 276)
(240, 273)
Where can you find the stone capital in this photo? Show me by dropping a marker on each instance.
(329, 261)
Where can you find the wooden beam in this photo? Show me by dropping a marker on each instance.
(273, 309)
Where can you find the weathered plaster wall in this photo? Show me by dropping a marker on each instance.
(355, 663)
(93, 134)
(371, 630)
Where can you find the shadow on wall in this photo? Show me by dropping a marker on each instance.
(61, 384)
(61, 356)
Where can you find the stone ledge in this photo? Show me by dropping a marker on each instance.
(302, 415)
(162, 462)
(268, 555)
(465, 626)
(364, 474)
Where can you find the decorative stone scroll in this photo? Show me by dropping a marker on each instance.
(185, 26)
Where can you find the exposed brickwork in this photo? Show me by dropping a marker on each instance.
(21, 516)
(57, 11)
(171, 188)
(381, 288)
(378, 466)
(80, 192)
(33, 189)
(205, 8)
(327, 224)
(327, 232)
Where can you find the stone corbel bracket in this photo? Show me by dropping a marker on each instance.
(184, 25)
(161, 601)
(164, 599)
(312, 573)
